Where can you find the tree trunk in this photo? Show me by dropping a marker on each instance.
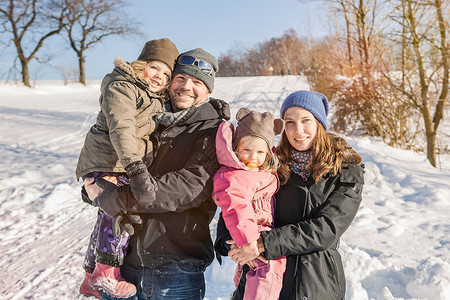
(425, 105)
(439, 113)
(404, 45)
(81, 65)
(431, 136)
(364, 42)
(25, 72)
(349, 37)
(23, 60)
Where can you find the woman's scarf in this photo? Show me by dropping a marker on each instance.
(300, 163)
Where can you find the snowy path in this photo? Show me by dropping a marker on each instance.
(398, 247)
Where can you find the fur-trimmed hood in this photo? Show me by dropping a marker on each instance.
(124, 72)
(350, 156)
(224, 149)
(124, 66)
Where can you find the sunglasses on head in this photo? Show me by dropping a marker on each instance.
(188, 60)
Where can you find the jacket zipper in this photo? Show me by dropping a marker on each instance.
(336, 272)
(138, 250)
(163, 135)
(139, 241)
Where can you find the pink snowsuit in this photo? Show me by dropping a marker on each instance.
(246, 199)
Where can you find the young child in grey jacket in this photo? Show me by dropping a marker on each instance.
(117, 149)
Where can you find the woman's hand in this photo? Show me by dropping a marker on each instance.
(247, 253)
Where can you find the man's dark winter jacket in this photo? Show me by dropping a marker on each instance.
(310, 218)
(176, 226)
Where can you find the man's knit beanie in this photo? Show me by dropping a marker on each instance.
(163, 50)
(262, 125)
(194, 71)
(315, 103)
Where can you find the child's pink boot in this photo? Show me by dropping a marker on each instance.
(86, 290)
(109, 280)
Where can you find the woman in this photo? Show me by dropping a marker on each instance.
(321, 184)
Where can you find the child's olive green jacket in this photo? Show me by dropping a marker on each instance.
(124, 123)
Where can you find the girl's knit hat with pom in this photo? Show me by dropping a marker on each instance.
(262, 125)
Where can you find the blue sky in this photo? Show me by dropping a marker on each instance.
(216, 26)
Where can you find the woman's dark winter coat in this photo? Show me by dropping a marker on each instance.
(310, 218)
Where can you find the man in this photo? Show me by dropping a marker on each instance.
(170, 250)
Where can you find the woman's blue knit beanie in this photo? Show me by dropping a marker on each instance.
(315, 103)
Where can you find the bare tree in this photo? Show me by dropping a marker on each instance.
(228, 66)
(425, 63)
(410, 48)
(364, 103)
(30, 23)
(290, 52)
(90, 21)
(360, 18)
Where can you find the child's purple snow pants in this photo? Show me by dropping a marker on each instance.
(104, 247)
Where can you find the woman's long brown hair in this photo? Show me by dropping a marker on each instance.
(326, 157)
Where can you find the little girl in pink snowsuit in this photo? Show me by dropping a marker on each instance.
(244, 187)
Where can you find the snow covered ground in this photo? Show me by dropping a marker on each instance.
(398, 247)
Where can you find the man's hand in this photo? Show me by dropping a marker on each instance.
(109, 199)
(92, 189)
(117, 210)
